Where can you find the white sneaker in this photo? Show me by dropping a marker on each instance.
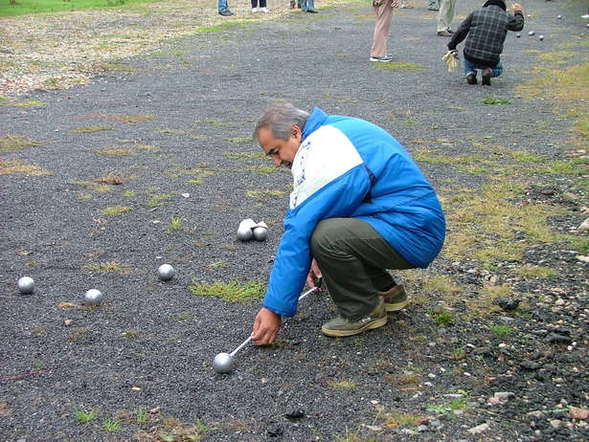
(254, 10)
(383, 59)
(264, 10)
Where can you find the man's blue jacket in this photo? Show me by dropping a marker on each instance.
(349, 168)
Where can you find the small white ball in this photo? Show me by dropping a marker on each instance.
(540, 37)
(26, 285)
(93, 297)
(518, 35)
(559, 16)
(531, 33)
(165, 272)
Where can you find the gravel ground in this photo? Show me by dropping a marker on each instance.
(177, 134)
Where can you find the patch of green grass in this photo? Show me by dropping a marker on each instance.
(129, 193)
(89, 129)
(92, 185)
(441, 285)
(26, 103)
(400, 66)
(111, 425)
(195, 181)
(443, 317)
(109, 267)
(495, 101)
(263, 170)
(116, 210)
(142, 416)
(84, 416)
(217, 264)
(10, 143)
(409, 122)
(263, 194)
(343, 385)
(122, 118)
(239, 140)
(22, 7)
(221, 27)
(159, 199)
(175, 224)
(11, 167)
(533, 271)
(456, 404)
(502, 330)
(245, 155)
(395, 419)
(219, 123)
(233, 291)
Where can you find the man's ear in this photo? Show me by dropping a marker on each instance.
(297, 132)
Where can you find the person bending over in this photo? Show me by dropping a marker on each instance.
(359, 206)
(485, 30)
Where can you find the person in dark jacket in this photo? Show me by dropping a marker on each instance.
(485, 30)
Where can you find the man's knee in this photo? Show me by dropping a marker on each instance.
(323, 237)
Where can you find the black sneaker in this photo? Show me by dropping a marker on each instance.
(312, 11)
(486, 77)
(226, 13)
(471, 78)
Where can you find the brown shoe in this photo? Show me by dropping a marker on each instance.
(395, 298)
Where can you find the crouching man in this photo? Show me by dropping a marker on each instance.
(485, 30)
(359, 206)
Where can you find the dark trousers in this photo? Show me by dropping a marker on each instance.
(255, 3)
(353, 259)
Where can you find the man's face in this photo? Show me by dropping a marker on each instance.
(282, 152)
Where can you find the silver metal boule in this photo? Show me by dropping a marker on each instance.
(260, 233)
(244, 231)
(531, 33)
(518, 35)
(559, 16)
(223, 363)
(165, 272)
(540, 37)
(93, 297)
(26, 285)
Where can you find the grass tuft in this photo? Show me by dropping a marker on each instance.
(109, 267)
(90, 129)
(400, 66)
(84, 416)
(233, 291)
(116, 210)
(10, 143)
(343, 385)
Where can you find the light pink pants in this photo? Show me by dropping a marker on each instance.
(384, 16)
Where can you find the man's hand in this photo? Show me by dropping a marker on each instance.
(517, 7)
(314, 274)
(266, 326)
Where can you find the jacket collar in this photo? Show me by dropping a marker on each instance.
(314, 122)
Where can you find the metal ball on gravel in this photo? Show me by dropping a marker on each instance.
(559, 16)
(531, 33)
(165, 272)
(518, 35)
(244, 233)
(260, 233)
(26, 285)
(540, 37)
(223, 363)
(93, 297)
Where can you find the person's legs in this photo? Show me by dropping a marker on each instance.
(497, 70)
(254, 5)
(446, 15)
(310, 5)
(222, 5)
(384, 16)
(353, 257)
(470, 72)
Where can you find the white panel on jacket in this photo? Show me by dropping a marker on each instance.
(324, 156)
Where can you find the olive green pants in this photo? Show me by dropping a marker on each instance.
(353, 259)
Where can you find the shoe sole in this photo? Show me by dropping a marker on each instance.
(343, 333)
(486, 81)
(396, 306)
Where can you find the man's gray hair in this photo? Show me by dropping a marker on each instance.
(279, 118)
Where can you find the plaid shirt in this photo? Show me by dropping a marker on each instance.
(486, 29)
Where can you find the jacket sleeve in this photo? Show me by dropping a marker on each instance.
(460, 33)
(338, 198)
(516, 22)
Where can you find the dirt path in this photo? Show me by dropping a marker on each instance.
(152, 162)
